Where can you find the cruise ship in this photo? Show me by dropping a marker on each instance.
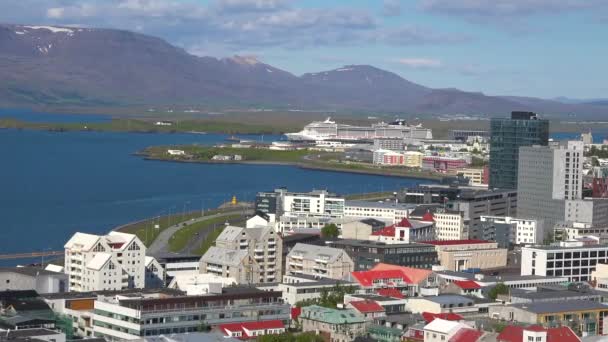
(329, 129)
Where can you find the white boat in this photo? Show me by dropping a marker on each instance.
(328, 129)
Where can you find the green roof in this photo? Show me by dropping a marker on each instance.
(332, 316)
(379, 329)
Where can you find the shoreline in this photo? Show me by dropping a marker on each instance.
(301, 165)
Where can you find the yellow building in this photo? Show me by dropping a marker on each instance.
(412, 159)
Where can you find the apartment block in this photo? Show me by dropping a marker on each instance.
(568, 259)
(314, 203)
(390, 212)
(111, 262)
(133, 316)
(249, 255)
(475, 176)
(325, 262)
(520, 231)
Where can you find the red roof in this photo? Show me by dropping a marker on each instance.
(467, 284)
(404, 223)
(296, 312)
(366, 278)
(386, 231)
(393, 293)
(466, 335)
(415, 275)
(454, 242)
(249, 326)
(513, 333)
(365, 306)
(448, 316)
(428, 217)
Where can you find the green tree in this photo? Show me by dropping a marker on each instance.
(499, 289)
(329, 298)
(291, 337)
(330, 231)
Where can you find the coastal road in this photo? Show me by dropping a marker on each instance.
(161, 243)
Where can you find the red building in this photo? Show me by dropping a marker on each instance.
(441, 163)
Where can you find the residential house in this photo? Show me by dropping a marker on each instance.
(405, 231)
(334, 324)
(325, 262)
(252, 330)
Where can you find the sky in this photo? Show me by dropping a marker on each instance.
(539, 48)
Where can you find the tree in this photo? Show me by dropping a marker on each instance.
(330, 231)
(329, 298)
(499, 289)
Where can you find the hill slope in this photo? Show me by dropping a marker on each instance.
(46, 65)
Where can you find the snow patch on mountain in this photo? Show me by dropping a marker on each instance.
(53, 29)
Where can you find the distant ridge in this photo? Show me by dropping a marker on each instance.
(51, 65)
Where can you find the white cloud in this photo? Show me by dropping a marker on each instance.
(420, 63)
(55, 12)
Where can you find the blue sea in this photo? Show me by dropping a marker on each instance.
(53, 184)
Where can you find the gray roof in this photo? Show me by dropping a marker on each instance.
(29, 333)
(562, 306)
(224, 256)
(559, 248)
(189, 337)
(311, 252)
(379, 244)
(449, 299)
(535, 296)
(232, 233)
(31, 271)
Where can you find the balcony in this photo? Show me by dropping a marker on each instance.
(321, 261)
(296, 256)
(296, 264)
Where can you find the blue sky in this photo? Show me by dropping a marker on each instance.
(541, 48)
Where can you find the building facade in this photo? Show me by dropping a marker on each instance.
(520, 231)
(366, 254)
(549, 178)
(320, 261)
(571, 259)
(461, 255)
(337, 325)
(111, 262)
(507, 136)
(249, 255)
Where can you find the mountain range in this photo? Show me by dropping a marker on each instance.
(49, 65)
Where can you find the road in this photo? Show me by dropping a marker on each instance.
(161, 243)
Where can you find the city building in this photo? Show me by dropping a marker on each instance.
(175, 264)
(35, 335)
(155, 274)
(519, 231)
(300, 287)
(507, 136)
(360, 229)
(475, 176)
(110, 262)
(249, 255)
(25, 309)
(388, 157)
(449, 224)
(443, 163)
(442, 304)
(584, 316)
(477, 203)
(32, 278)
(252, 330)
(465, 134)
(334, 324)
(366, 254)
(515, 333)
(320, 261)
(129, 317)
(367, 308)
(548, 178)
(552, 294)
(405, 231)
(388, 211)
(200, 284)
(393, 144)
(512, 281)
(440, 330)
(314, 203)
(461, 255)
(401, 280)
(572, 260)
(574, 230)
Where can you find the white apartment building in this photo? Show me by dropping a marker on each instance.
(324, 262)
(569, 259)
(111, 262)
(523, 230)
(450, 225)
(389, 212)
(315, 203)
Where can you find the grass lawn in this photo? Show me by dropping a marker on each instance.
(146, 232)
(180, 239)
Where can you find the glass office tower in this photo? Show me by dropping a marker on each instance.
(507, 136)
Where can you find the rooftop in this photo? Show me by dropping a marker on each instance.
(23, 333)
(442, 326)
(378, 244)
(429, 317)
(224, 256)
(448, 299)
(514, 333)
(455, 242)
(380, 205)
(30, 271)
(311, 252)
(365, 306)
(331, 316)
(467, 284)
(561, 306)
(466, 335)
